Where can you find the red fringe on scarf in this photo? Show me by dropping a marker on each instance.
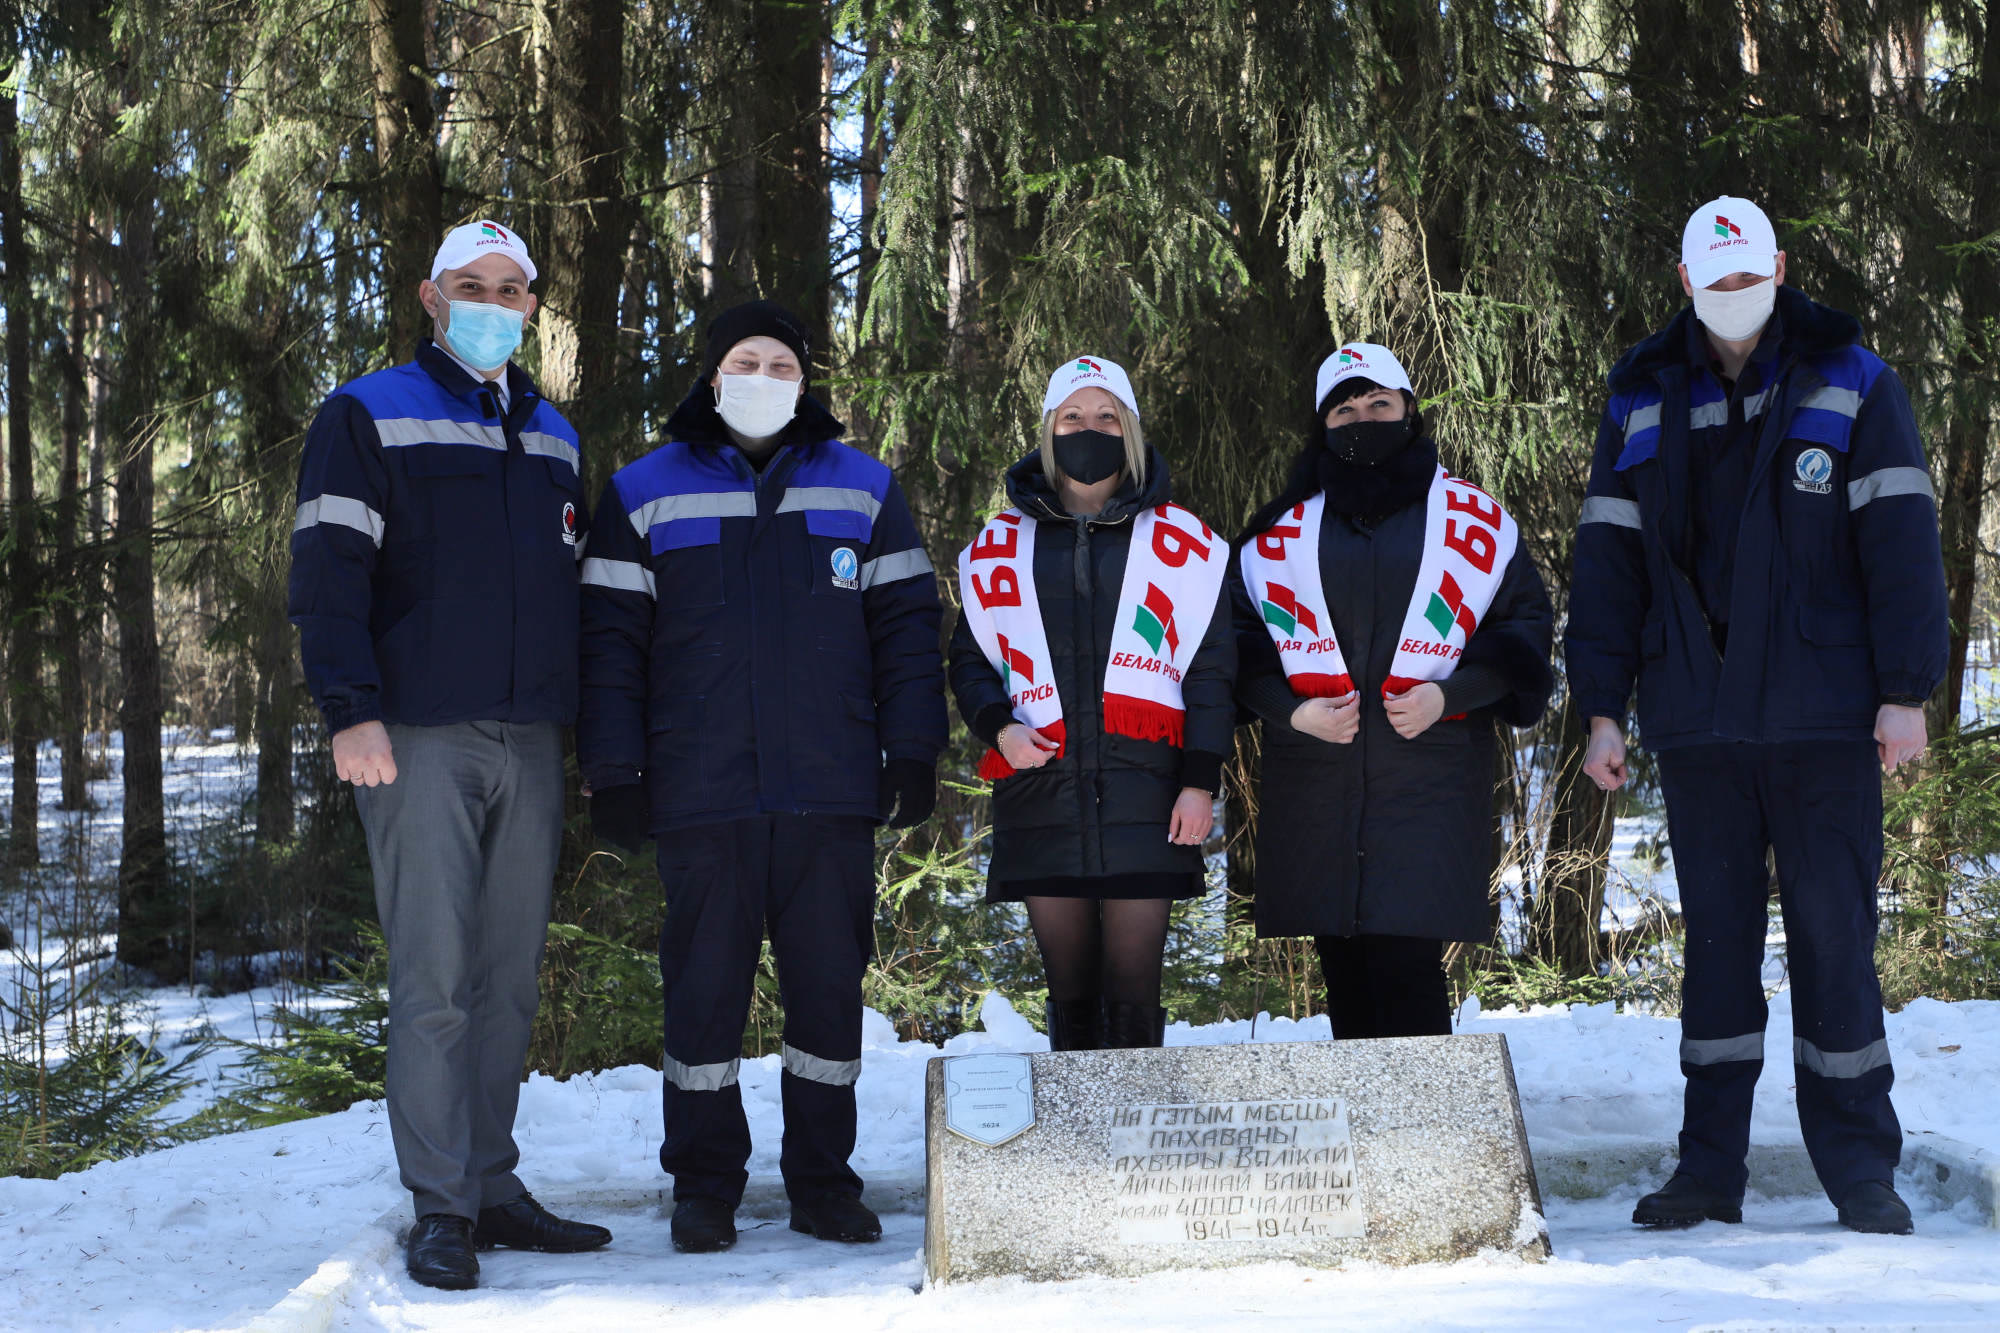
(1309, 686)
(995, 767)
(1143, 720)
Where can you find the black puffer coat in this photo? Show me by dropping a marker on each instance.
(1386, 836)
(1102, 808)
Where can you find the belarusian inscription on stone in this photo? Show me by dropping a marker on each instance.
(1235, 1171)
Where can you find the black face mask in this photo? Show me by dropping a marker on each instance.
(1089, 455)
(1370, 443)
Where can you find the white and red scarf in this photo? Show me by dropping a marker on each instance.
(1173, 575)
(1468, 541)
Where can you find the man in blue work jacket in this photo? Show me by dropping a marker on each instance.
(434, 584)
(1759, 552)
(762, 685)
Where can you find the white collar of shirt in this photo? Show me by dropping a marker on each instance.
(499, 383)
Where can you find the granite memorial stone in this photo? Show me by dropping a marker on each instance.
(1406, 1150)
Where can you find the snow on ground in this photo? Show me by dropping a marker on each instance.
(210, 1233)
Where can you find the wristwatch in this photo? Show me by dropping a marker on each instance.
(1904, 700)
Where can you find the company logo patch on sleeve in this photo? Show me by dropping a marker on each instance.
(569, 524)
(1814, 472)
(846, 568)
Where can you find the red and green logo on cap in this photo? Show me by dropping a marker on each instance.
(1724, 227)
(1155, 621)
(1348, 356)
(1085, 363)
(1283, 609)
(1448, 608)
(489, 232)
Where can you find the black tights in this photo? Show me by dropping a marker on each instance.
(1101, 946)
(1385, 986)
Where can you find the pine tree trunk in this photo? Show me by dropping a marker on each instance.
(1567, 911)
(24, 656)
(406, 162)
(145, 912)
(66, 613)
(273, 432)
(582, 44)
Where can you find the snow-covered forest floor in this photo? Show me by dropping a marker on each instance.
(212, 1233)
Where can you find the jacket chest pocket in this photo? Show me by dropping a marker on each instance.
(836, 540)
(687, 563)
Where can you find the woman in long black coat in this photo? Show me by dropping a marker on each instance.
(1375, 815)
(1097, 829)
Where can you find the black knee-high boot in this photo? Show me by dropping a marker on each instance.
(1129, 1026)
(1076, 1025)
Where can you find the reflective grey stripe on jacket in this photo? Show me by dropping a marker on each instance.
(1840, 1064)
(1642, 418)
(1887, 481)
(801, 498)
(623, 575)
(896, 565)
(340, 510)
(551, 446)
(698, 504)
(701, 1078)
(398, 432)
(804, 1064)
(1609, 509)
(1847, 402)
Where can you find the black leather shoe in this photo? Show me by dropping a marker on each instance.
(1874, 1206)
(703, 1226)
(1076, 1025)
(1684, 1202)
(1127, 1026)
(522, 1224)
(439, 1253)
(836, 1217)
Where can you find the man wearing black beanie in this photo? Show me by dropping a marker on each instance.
(762, 687)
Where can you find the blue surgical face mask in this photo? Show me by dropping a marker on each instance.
(484, 336)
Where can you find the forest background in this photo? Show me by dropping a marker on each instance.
(213, 214)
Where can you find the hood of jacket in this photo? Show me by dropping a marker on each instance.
(1810, 329)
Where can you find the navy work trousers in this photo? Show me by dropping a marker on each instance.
(809, 880)
(1817, 805)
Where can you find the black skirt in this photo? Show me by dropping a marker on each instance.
(1156, 885)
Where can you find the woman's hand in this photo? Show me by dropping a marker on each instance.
(1024, 747)
(1194, 817)
(1332, 720)
(1412, 712)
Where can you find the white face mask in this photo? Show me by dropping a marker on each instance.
(756, 405)
(1739, 315)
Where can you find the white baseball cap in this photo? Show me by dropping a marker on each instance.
(1360, 361)
(1728, 235)
(464, 244)
(1088, 372)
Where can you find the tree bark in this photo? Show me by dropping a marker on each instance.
(1566, 914)
(24, 655)
(67, 610)
(582, 44)
(145, 912)
(406, 164)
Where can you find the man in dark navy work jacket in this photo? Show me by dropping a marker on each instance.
(762, 685)
(1759, 553)
(434, 584)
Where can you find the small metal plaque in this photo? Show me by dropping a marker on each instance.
(989, 1099)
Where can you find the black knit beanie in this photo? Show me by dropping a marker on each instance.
(755, 319)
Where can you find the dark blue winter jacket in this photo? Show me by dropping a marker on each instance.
(756, 642)
(434, 557)
(1837, 598)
